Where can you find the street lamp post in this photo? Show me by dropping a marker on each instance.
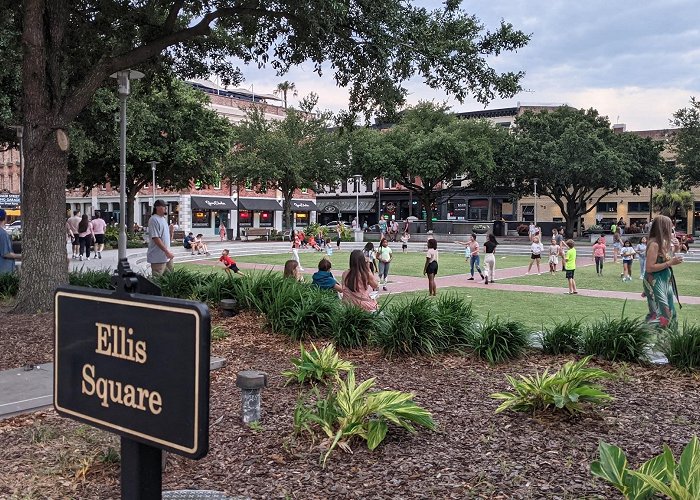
(535, 182)
(123, 78)
(357, 178)
(153, 182)
(20, 135)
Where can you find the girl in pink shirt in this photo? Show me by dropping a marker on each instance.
(359, 283)
(599, 255)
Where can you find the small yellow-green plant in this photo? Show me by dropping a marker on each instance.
(317, 366)
(660, 475)
(351, 411)
(569, 389)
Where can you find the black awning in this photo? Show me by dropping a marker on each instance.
(212, 203)
(335, 205)
(303, 206)
(259, 204)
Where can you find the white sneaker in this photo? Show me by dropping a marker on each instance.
(301, 269)
(527, 273)
(539, 274)
(81, 257)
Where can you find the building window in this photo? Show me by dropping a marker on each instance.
(103, 187)
(368, 187)
(12, 181)
(606, 207)
(638, 206)
(248, 185)
(267, 218)
(529, 213)
(478, 209)
(245, 218)
(344, 187)
(217, 184)
(389, 184)
(304, 191)
(201, 218)
(301, 218)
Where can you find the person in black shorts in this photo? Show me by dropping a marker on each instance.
(431, 266)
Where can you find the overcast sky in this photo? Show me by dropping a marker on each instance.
(635, 61)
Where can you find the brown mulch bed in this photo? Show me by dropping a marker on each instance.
(473, 454)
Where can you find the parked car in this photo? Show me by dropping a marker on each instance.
(14, 228)
(332, 224)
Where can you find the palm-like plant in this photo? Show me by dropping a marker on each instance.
(285, 88)
(671, 199)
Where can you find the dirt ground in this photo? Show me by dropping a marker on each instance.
(472, 454)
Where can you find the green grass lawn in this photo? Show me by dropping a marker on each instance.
(408, 264)
(535, 309)
(687, 278)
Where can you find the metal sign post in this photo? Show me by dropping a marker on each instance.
(135, 364)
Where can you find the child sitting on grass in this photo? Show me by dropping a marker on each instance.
(323, 278)
(229, 263)
(570, 265)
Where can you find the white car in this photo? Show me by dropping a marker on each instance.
(14, 227)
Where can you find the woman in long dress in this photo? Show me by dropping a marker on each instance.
(658, 279)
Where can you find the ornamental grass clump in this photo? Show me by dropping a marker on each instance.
(353, 327)
(569, 389)
(181, 283)
(499, 340)
(317, 366)
(301, 311)
(682, 347)
(619, 339)
(349, 411)
(412, 327)
(562, 338)
(457, 321)
(9, 285)
(91, 278)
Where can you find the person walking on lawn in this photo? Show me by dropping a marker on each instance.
(570, 265)
(490, 259)
(72, 230)
(599, 255)
(536, 249)
(384, 256)
(471, 255)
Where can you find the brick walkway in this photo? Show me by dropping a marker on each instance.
(399, 284)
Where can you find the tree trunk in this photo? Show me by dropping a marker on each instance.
(44, 256)
(288, 210)
(428, 205)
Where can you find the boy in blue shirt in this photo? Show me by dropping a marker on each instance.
(323, 278)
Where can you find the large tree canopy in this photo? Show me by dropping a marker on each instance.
(426, 149)
(295, 153)
(687, 142)
(69, 49)
(169, 124)
(577, 160)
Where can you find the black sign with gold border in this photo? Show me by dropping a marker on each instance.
(136, 365)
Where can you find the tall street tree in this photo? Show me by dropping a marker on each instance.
(577, 160)
(686, 142)
(673, 200)
(69, 50)
(169, 123)
(427, 149)
(298, 152)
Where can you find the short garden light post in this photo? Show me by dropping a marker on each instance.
(251, 383)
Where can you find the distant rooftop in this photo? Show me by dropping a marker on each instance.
(209, 87)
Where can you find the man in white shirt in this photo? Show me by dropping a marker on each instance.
(159, 255)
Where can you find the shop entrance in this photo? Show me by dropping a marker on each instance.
(218, 219)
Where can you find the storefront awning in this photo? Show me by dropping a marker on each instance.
(212, 203)
(335, 205)
(259, 204)
(303, 206)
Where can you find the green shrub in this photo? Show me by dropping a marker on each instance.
(659, 476)
(682, 347)
(568, 389)
(301, 310)
(218, 332)
(352, 326)
(256, 291)
(562, 338)
(412, 327)
(91, 278)
(350, 411)
(181, 283)
(317, 366)
(623, 339)
(499, 340)
(457, 321)
(9, 285)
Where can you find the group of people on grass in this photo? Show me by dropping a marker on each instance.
(195, 244)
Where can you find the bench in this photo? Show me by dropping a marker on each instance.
(257, 231)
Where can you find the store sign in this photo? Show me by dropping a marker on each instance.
(9, 200)
(215, 203)
(135, 365)
(330, 209)
(301, 204)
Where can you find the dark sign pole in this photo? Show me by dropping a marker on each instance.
(136, 364)
(141, 464)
